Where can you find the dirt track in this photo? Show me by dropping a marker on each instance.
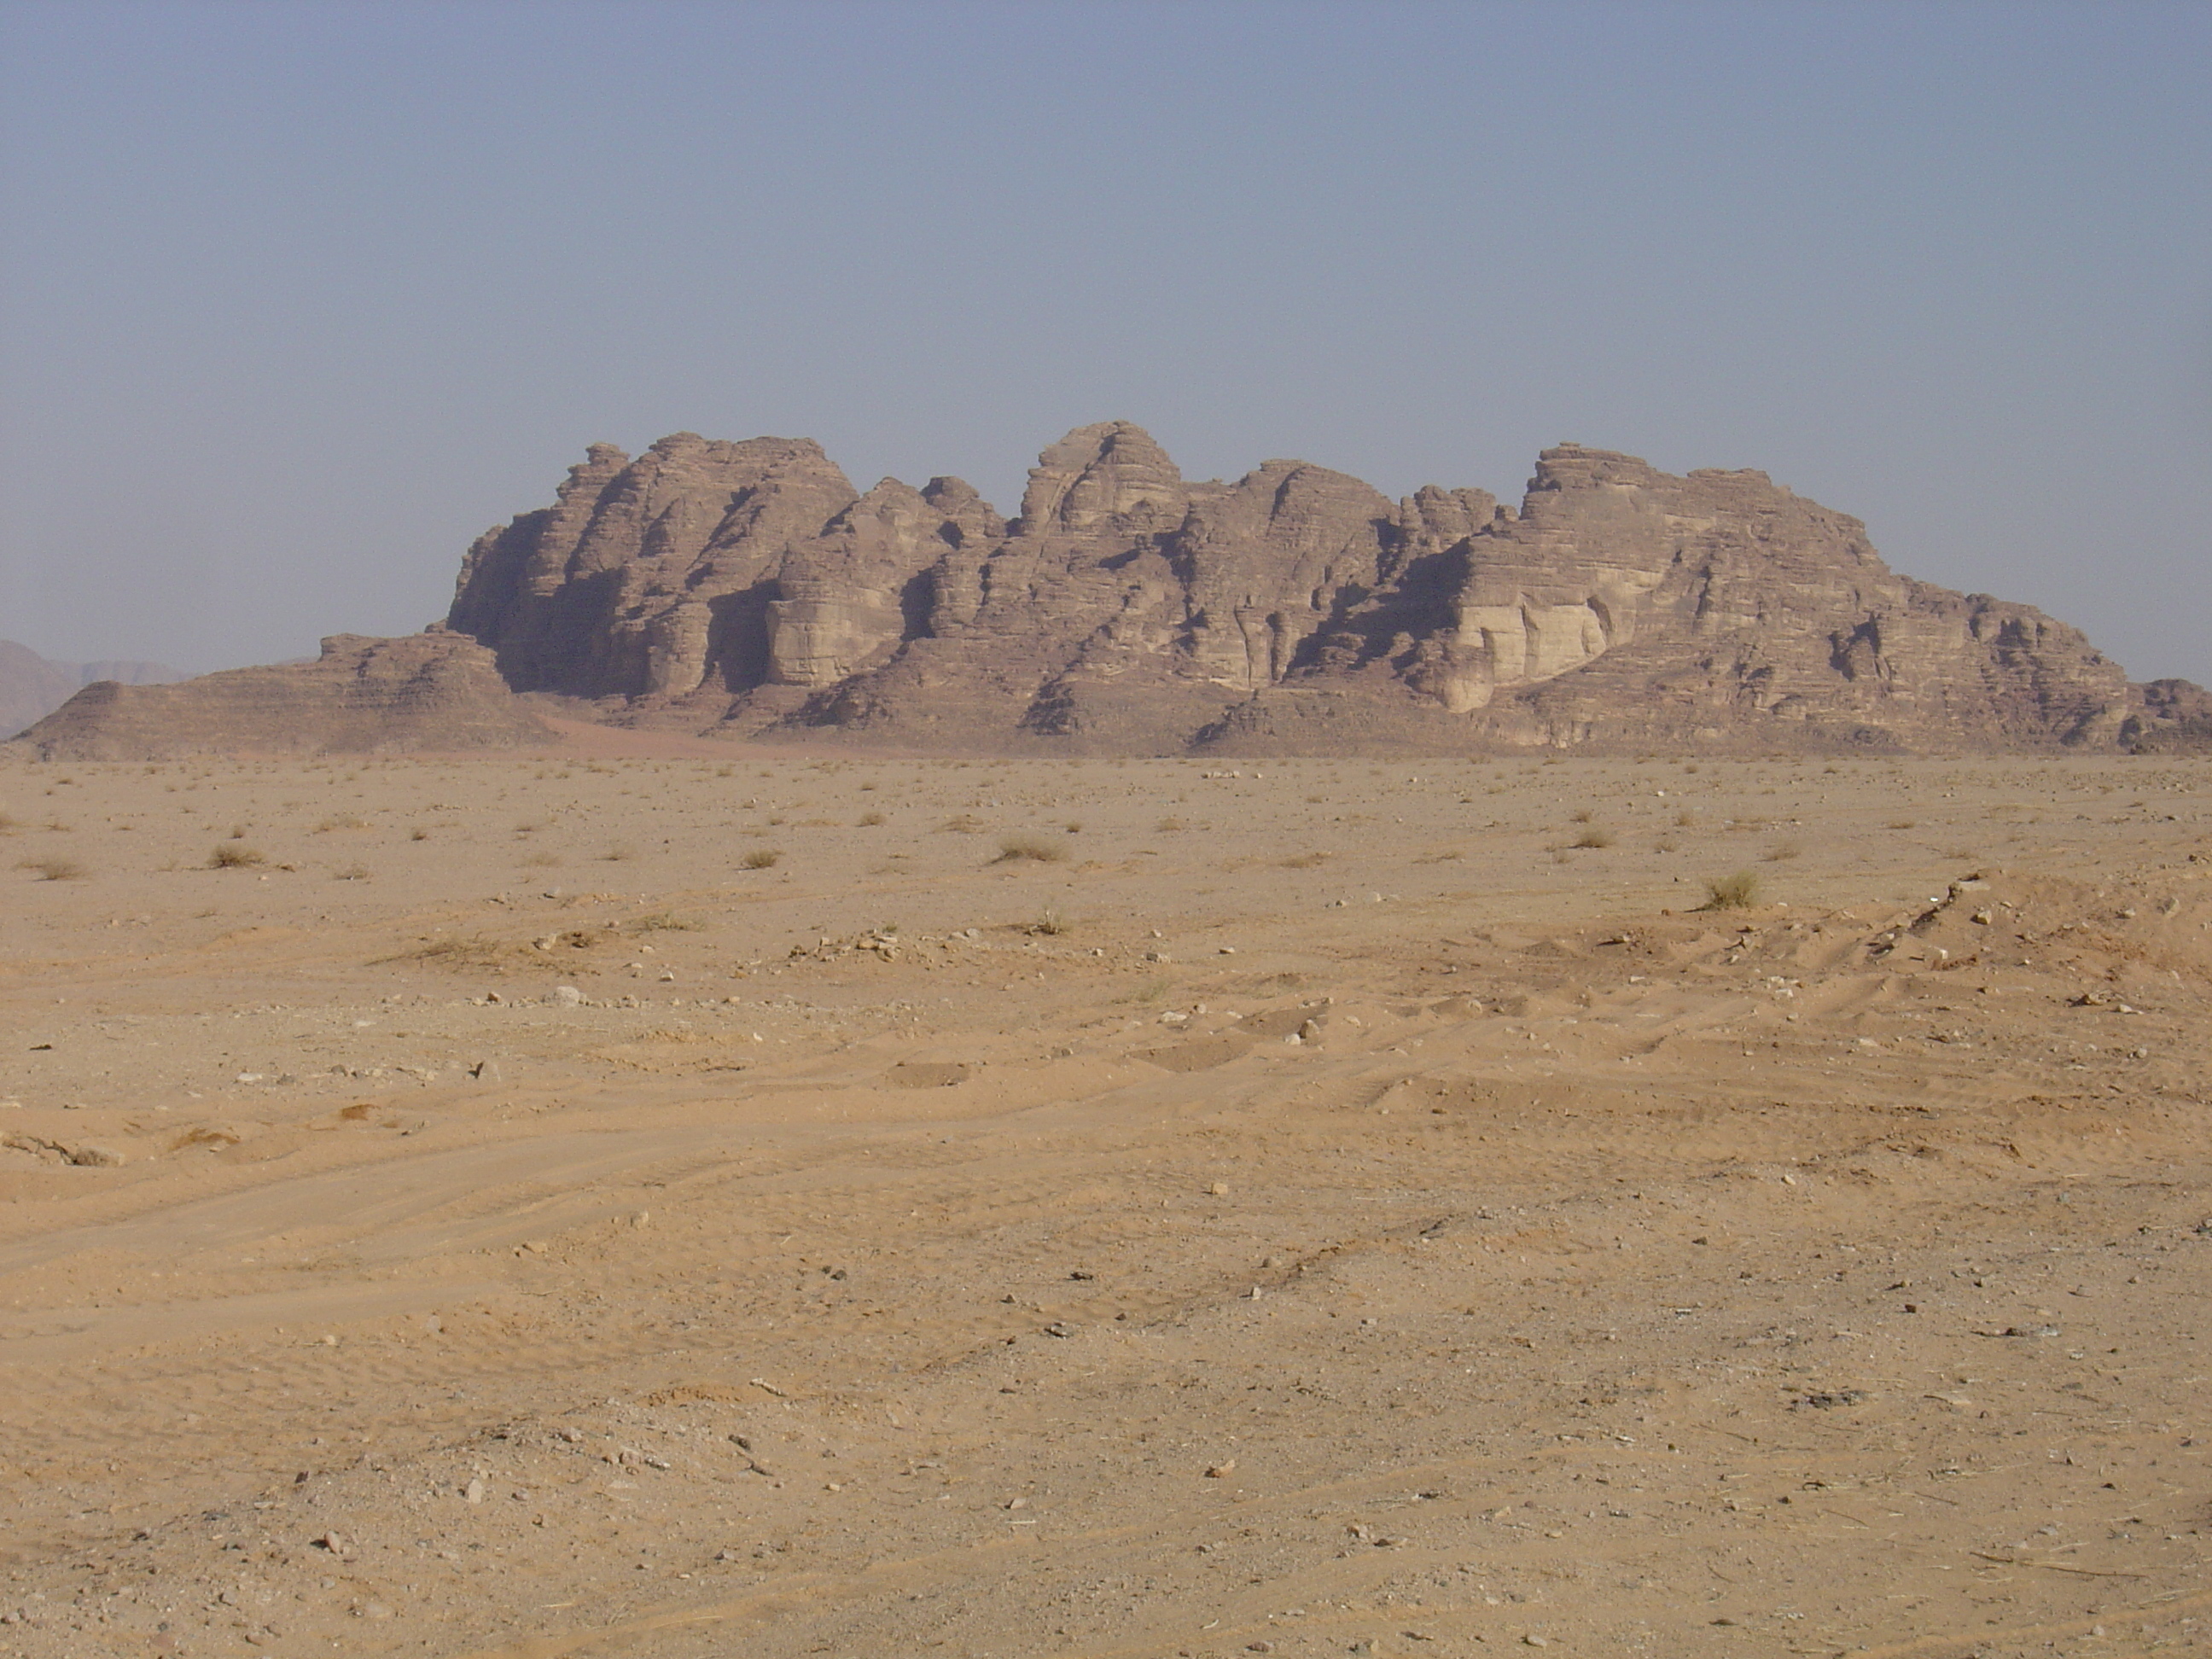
(1311, 1208)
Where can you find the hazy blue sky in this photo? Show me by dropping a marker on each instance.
(296, 299)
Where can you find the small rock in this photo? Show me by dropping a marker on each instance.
(1221, 1470)
(1218, 1189)
(567, 996)
(474, 1492)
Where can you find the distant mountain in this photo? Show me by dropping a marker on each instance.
(32, 686)
(748, 590)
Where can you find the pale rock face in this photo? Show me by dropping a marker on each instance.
(1096, 473)
(648, 578)
(849, 597)
(1269, 561)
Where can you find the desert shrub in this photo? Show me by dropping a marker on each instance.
(1168, 826)
(418, 835)
(54, 869)
(1582, 816)
(664, 921)
(964, 823)
(1782, 852)
(1591, 838)
(869, 820)
(341, 821)
(1043, 849)
(1739, 891)
(762, 858)
(352, 872)
(227, 857)
(1304, 861)
(1049, 924)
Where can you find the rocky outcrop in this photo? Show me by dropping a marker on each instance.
(433, 692)
(747, 589)
(2170, 717)
(31, 685)
(1627, 608)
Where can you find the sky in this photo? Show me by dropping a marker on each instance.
(297, 298)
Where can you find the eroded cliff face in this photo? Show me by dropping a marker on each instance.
(1623, 604)
(747, 589)
(1127, 607)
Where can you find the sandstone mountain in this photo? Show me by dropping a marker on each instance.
(433, 692)
(31, 685)
(748, 589)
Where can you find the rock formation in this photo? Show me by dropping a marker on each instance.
(748, 589)
(433, 692)
(31, 685)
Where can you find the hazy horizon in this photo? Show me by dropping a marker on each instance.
(297, 300)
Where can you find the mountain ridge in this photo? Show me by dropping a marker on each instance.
(748, 589)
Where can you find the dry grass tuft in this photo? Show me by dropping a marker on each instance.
(762, 858)
(1042, 849)
(352, 872)
(1783, 851)
(53, 869)
(1739, 891)
(664, 921)
(472, 951)
(869, 820)
(1594, 838)
(227, 857)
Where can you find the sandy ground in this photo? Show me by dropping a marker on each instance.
(1132, 1209)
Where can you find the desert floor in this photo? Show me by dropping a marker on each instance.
(784, 1205)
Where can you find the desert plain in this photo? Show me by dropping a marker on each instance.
(665, 1198)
